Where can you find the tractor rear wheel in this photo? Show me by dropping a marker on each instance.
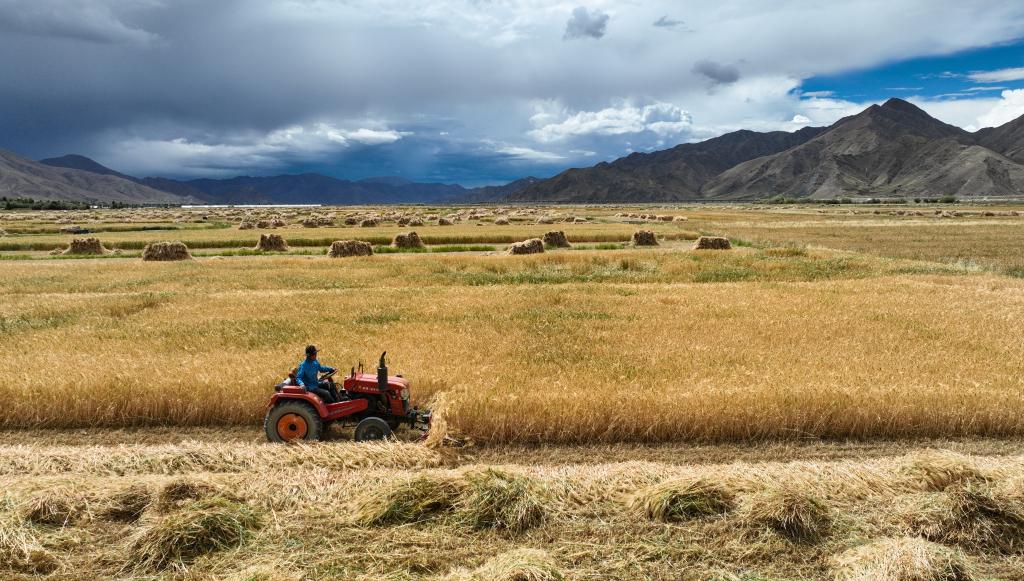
(292, 421)
(372, 429)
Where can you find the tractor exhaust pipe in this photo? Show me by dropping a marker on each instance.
(382, 374)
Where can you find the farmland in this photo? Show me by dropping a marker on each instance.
(829, 353)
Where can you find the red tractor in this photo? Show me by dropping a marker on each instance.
(377, 405)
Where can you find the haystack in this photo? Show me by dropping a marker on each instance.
(712, 243)
(531, 246)
(415, 222)
(271, 243)
(679, 219)
(408, 240)
(369, 223)
(263, 224)
(86, 246)
(501, 222)
(496, 499)
(644, 238)
(74, 230)
(343, 248)
(444, 222)
(683, 499)
(791, 511)
(246, 225)
(902, 559)
(311, 223)
(556, 239)
(166, 251)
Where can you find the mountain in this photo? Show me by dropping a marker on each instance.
(676, 174)
(24, 178)
(1006, 139)
(83, 163)
(895, 149)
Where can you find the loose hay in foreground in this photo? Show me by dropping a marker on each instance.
(20, 549)
(972, 515)
(531, 246)
(126, 504)
(345, 248)
(196, 528)
(644, 238)
(271, 243)
(496, 499)
(58, 507)
(166, 251)
(408, 240)
(683, 499)
(790, 511)
(516, 565)
(180, 491)
(902, 559)
(937, 469)
(712, 243)
(407, 501)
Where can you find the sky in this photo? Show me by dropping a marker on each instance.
(475, 91)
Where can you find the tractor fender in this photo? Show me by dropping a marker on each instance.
(299, 394)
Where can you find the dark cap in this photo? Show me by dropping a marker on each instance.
(311, 350)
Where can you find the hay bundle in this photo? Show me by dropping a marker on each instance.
(246, 225)
(971, 515)
(679, 218)
(712, 243)
(935, 470)
(351, 220)
(86, 246)
(343, 248)
(264, 225)
(197, 528)
(515, 565)
(53, 507)
(556, 239)
(531, 246)
(545, 220)
(369, 223)
(166, 251)
(416, 222)
(127, 504)
(277, 223)
(408, 240)
(444, 222)
(903, 559)
(310, 223)
(501, 221)
(20, 550)
(496, 499)
(683, 499)
(644, 238)
(408, 501)
(271, 243)
(74, 230)
(403, 221)
(3, 232)
(178, 492)
(796, 514)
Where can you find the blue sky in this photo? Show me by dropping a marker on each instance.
(472, 92)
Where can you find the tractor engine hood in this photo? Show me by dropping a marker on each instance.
(368, 381)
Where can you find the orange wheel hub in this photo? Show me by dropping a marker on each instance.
(292, 427)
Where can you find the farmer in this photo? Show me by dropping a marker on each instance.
(308, 376)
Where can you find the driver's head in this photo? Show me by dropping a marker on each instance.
(311, 352)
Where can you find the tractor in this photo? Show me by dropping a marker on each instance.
(376, 404)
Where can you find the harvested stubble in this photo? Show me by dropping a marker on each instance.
(86, 246)
(791, 511)
(644, 238)
(344, 248)
(515, 565)
(712, 243)
(683, 499)
(408, 500)
(531, 246)
(556, 239)
(497, 499)
(165, 252)
(271, 243)
(902, 559)
(20, 549)
(408, 240)
(195, 529)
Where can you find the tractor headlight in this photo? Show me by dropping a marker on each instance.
(405, 393)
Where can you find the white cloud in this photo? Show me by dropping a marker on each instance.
(529, 154)
(659, 118)
(997, 76)
(1010, 107)
(800, 119)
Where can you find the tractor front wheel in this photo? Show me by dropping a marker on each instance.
(292, 421)
(372, 429)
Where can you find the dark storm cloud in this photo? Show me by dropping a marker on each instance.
(586, 24)
(82, 20)
(666, 22)
(718, 73)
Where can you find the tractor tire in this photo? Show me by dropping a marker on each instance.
(292, 421)
(372, 429)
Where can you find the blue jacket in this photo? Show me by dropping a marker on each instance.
(309, 373)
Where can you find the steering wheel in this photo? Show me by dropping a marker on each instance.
(327, 376)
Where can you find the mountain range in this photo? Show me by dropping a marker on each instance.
(889, 150)
(894, 149)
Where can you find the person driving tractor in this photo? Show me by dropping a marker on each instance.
(308, 376)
